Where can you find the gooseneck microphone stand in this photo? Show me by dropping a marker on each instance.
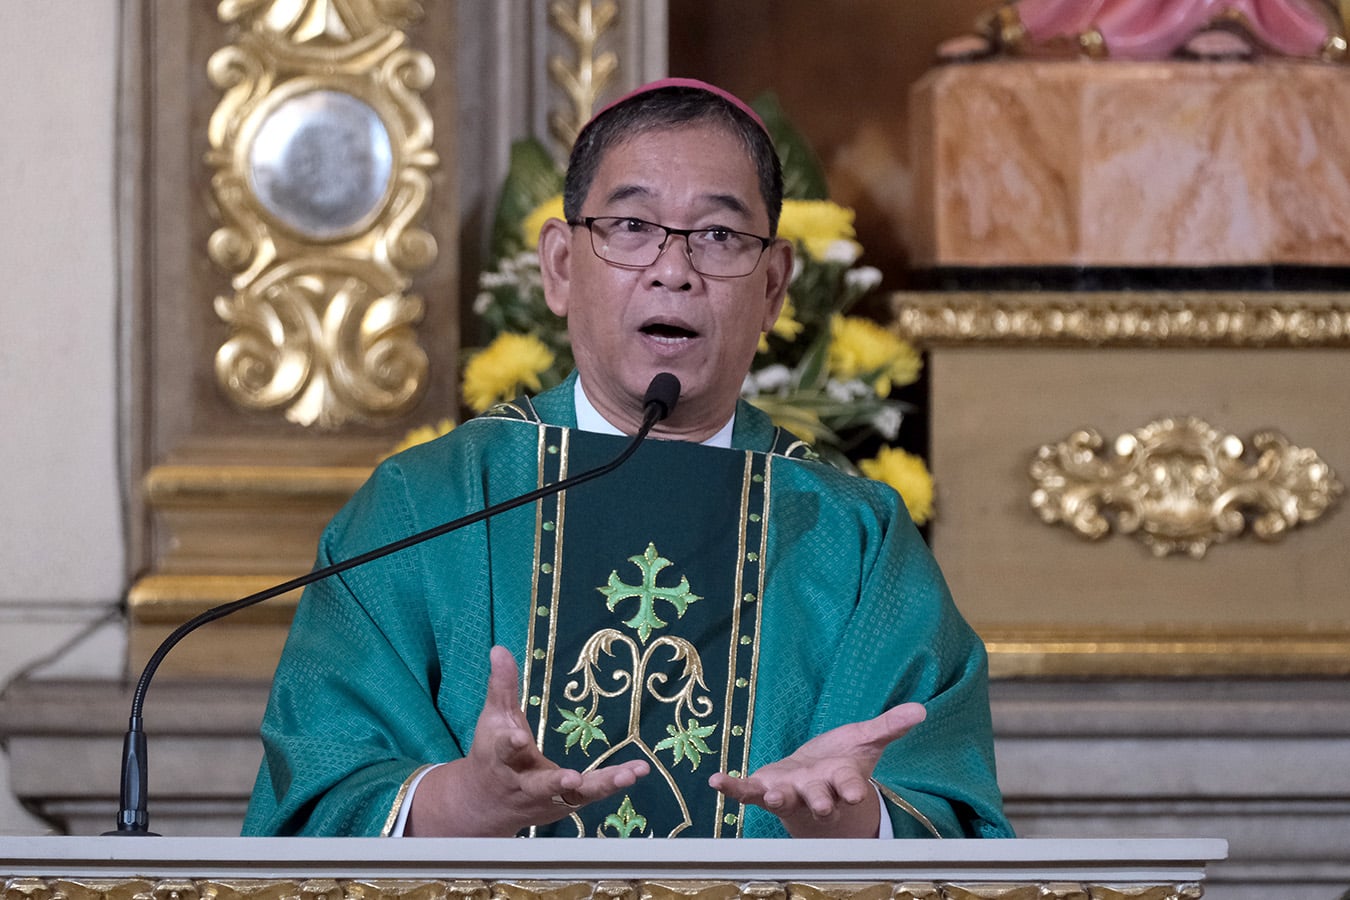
(134, 818)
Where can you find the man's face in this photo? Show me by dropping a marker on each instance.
(628, 324)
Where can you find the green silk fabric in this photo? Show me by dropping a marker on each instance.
(817, 604)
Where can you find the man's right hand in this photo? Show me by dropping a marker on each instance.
(505, 784)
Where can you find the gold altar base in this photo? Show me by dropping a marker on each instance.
(1076, 163)
(684, 869)
(390, 889)
(1015, 373)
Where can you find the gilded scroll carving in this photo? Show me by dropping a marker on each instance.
(321, 147)
(389, 889)
(1180, 485)
(583, 24)
(1125, 319)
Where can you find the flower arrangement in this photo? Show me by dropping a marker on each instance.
(823, 374)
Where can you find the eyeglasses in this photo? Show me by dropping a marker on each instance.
(636, 243)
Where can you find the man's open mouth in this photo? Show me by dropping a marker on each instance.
(667, 331)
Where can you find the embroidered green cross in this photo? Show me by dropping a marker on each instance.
(651, 563)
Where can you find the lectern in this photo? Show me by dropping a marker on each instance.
(120, 868)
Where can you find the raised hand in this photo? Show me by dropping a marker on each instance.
(823, 789)
(505, 784)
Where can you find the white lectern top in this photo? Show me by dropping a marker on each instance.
(1123, 861)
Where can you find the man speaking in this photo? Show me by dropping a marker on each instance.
(723, 637)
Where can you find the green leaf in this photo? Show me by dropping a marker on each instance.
(627, 820)
(813, 371)
(803, 175)
(532, 178)
(582, 728)
(688, 742)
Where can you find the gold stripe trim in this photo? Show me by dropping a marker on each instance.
(738, 589)
(904, 804)
(766, 495)
(559, 524)
(527, 664)
(402, 795)
(1124, 318)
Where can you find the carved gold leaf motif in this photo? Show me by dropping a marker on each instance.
(322, 149)
(1180, 485)
(650, 889)
(1133, 319)
(583, 23)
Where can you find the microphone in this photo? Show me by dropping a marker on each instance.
(133, 818)
(664, 391)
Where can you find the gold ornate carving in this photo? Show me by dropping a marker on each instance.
(1125, 319)
(1180, 485)
(1320, 651)
(656, 889)
(583, 23)
(321, 147)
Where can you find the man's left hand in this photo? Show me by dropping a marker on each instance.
(823, 790)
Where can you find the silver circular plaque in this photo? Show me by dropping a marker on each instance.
(321, 163)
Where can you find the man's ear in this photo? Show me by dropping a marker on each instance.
(555, 265)
(778, 271)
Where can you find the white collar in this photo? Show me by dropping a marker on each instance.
(589, 419)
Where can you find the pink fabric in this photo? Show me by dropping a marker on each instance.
(685, 83)
(1152, 29)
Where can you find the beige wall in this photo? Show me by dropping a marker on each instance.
(61, 548)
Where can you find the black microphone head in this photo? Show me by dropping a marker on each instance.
(664, 392)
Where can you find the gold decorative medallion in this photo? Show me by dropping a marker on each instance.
(1180, 485)
(321, 147)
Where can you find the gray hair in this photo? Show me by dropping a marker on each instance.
(670, 107)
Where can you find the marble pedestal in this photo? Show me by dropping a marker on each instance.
(1077, 163)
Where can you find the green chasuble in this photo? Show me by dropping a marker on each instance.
(704, 609)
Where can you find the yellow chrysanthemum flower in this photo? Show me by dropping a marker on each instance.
(421, 435)
(817, 224)
(509, 365)
(786, 326)
(552, 208)
(860, 348)
(908, 475)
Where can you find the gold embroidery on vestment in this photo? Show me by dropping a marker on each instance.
(401, 797)
(528, 667)
(581, 716)
(906, 806)
(559, 527)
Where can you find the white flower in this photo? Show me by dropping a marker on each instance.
(863, 278)
(887, 421)
(846, 391)
(771, 378)
(482, 302)
(845, 252)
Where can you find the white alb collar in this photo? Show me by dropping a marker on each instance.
(589, 419)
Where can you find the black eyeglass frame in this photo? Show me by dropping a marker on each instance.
(589, 221)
